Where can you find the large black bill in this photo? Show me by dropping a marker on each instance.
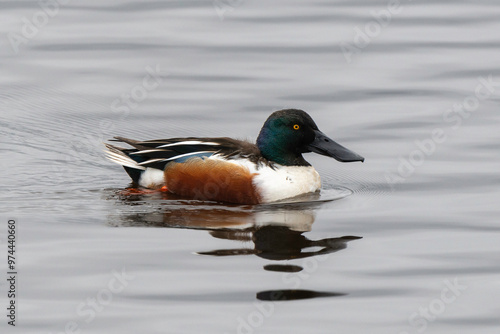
(326, 146)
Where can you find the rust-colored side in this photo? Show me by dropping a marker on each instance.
(210, 179)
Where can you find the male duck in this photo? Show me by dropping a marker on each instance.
(230, 170)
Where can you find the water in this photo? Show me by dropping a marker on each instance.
(410, 246)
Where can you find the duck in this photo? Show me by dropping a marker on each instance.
(229, 170)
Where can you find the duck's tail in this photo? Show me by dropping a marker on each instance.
(121, 156)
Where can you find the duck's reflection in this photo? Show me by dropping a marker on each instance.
(280, 243)
(275, 232)
(282, 295)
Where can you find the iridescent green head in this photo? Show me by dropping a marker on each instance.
(288, 133)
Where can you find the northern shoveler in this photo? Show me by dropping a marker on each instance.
(230, 170)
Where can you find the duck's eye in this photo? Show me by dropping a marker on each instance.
(296, 127)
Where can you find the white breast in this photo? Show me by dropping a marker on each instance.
(286, 181)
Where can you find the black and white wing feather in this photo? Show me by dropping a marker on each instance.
(157, 153)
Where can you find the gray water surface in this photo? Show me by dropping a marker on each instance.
(410, 246)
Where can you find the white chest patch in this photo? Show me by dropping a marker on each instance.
(286, 181)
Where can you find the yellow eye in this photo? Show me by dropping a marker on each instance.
(296, 127)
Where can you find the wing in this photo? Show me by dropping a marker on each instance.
(157, 153)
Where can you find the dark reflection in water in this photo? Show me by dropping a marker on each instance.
(284, 268)
(283, 295)
(276, 232)
(281, 243)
